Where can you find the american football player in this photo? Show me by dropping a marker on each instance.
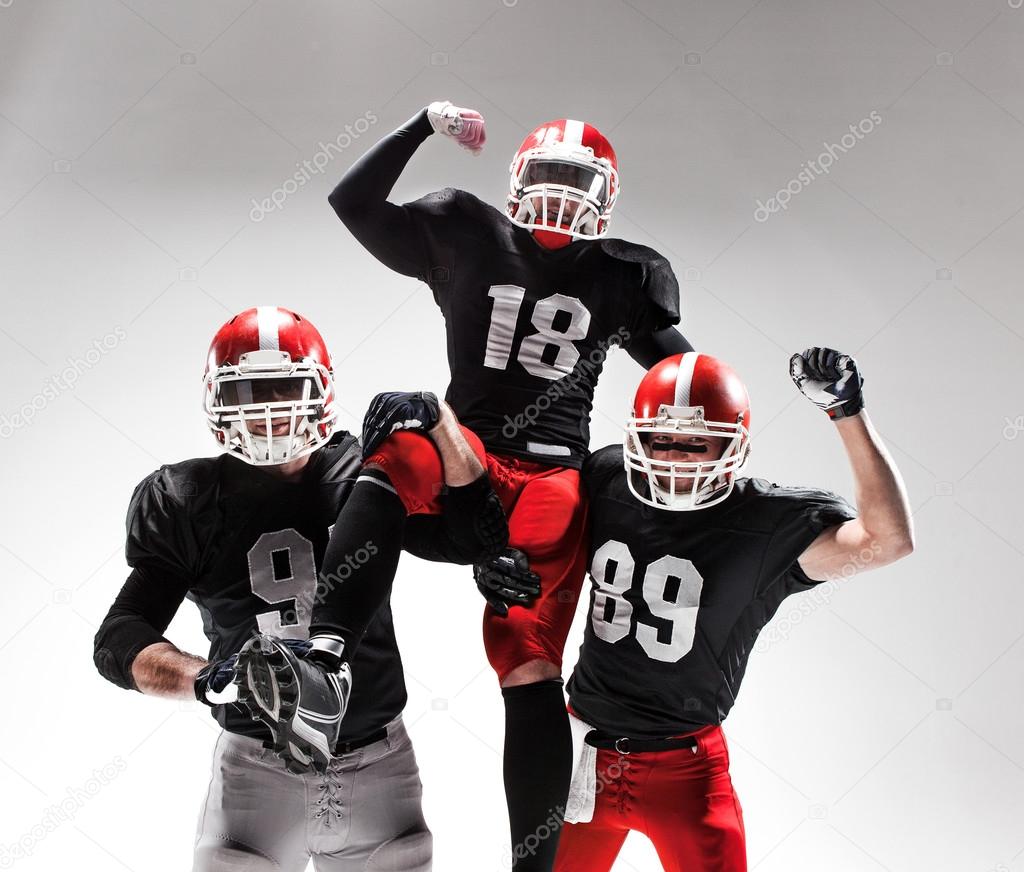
(243, 536)
(532, 301)
(688, 562)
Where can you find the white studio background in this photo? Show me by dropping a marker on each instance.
(881, 722)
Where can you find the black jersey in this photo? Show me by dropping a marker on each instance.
(678, 598)
(528, 329)
(246, 548)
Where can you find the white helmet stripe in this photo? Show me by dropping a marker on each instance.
(573, 132)
(266, 319)
(684, 378)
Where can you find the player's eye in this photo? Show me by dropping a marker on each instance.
(667, 443)
(249, 391)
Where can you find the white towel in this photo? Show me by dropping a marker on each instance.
(579, 809)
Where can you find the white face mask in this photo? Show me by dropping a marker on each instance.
(564, 189)
(692, 484)
(268, 410)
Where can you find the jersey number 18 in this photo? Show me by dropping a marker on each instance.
(508, 300)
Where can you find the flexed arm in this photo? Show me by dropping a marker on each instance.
(361, 197)
(884, 529)
(130, 649)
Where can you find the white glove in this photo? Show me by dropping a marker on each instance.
(465, 126)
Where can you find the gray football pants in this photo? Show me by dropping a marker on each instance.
(364, 813)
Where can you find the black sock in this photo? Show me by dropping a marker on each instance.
(361, 560)
(538, 765)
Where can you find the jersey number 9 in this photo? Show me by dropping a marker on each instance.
(282, 570)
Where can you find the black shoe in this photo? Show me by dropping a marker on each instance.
(296, 697)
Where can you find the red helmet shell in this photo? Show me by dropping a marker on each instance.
(568, 132)
(265, 328)
(240, 351)
(694, 379)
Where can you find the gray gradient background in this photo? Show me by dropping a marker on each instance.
(880, 723)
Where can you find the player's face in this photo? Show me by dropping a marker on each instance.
(568, 213)
(564, 174)
(682, 448)
(264, 391)
(570, 175)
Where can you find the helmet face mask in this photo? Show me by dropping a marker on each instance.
(691, 484)
(560, 187)
(580, 176)
(694, 407)
(263, 406)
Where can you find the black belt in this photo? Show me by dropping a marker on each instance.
(356, 744)
(626, 745)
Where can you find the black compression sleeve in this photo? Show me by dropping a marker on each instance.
(361, 560)
(649, 350)
(537, 767)
(471, 528)
(361, 198)
(137, 619)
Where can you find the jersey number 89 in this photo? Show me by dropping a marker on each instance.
(673, 606)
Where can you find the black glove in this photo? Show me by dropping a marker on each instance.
(507, 581)
(397, 410)
(829, 379)
(214, 678)
(217, 676)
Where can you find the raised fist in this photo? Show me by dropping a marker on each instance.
(465, 126)
(829, 379)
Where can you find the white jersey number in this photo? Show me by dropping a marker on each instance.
(508, 300)
(671, 588)
(282, 569)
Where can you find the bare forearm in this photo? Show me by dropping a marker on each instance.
(461, 465)
(164, 670)
(880, 494)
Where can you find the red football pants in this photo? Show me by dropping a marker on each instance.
(682, 801)
(547, 520)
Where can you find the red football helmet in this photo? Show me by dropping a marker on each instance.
(564, 182)
(688, 394)
(268, 390)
